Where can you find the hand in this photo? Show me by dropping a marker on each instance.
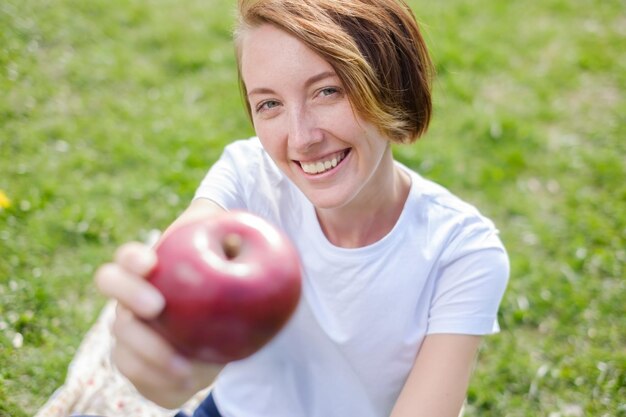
(144, 357)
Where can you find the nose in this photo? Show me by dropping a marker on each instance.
(304, 131)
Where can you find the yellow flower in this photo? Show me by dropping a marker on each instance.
(4, 200)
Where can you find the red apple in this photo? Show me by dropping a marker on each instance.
(230, 284)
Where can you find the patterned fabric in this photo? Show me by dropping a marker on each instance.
(94, 387)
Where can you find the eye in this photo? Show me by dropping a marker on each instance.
(328, 91)
(267, 105)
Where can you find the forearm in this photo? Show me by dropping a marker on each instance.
(198, 209)
(437, 384)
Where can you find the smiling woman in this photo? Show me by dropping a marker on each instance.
(390, 86)
(400, 277)
(311, 122)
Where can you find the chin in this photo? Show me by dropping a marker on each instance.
(330, 197)
(326, 202)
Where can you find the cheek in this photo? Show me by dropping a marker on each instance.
(342, 121)
(272, 141)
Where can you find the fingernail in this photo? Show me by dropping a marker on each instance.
(147, 259)
(152, 301)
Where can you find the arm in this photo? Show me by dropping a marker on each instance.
(438, 381)
(149, 362)
(200, 208)
(472, 277)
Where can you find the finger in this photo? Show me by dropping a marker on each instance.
(149, 381)
(148, 345)
(136, 257)
(141, 373)
(130, 290)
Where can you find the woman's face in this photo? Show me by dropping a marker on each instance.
(305, 122)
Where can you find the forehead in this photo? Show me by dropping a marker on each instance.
(269, 52)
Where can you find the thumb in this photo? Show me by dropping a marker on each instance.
(136, 258)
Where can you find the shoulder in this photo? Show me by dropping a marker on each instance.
(249, 157)
(450, 221)
(439, 202)
(246, 150)
(261, 186)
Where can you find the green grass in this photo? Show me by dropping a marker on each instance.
(111, 112)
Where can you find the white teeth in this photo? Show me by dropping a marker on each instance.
(322, 166)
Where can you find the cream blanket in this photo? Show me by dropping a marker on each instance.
(94, 387)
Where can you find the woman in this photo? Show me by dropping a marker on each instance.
(401, 278)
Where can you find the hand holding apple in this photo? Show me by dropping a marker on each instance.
(230, 284)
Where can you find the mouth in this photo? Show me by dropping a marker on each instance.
(325, 164)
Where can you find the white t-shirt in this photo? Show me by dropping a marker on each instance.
(349, 347)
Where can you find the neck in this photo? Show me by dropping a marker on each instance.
(372, 214)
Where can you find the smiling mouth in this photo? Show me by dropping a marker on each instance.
(324, 165)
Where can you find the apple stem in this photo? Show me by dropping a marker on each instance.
(232, 245)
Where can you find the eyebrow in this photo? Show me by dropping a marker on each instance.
(318, 77)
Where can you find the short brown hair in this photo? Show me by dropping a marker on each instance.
(376, 48)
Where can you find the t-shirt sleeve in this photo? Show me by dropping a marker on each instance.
(223, 184)
(473, 276)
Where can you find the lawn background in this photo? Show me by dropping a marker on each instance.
(111, 112)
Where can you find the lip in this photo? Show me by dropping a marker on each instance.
(328, 173)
